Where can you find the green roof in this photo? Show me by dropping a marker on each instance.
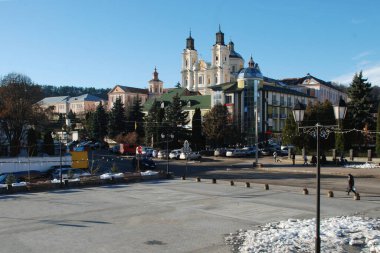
(196, 101)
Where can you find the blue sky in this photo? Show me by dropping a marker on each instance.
(101, 43)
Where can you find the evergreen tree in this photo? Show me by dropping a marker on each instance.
(215, 126)
(175, 120)
(73, 119)
(378, 133)
(32, 142)
(99, 122)
(135, 118)
(290, 131)
(359, 108)
(153, 123)
(322, 113)
(117, 119)
(197, 139)
(48, 143)
(178, 85)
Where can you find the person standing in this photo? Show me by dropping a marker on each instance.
(294, 158)
(351, 184)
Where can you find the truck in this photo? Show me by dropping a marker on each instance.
(127, 149)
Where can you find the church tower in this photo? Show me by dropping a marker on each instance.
(155, 85)
(221, 59)
(189, 63)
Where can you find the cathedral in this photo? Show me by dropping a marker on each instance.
(199, 75)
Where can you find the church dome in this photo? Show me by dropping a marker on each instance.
(252, 72)
(233, 53)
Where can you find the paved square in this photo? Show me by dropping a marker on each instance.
(155, 216)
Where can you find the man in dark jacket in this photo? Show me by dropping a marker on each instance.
(351, 184)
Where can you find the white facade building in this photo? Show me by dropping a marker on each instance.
(198, 75)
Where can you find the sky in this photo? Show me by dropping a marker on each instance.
(102, 43)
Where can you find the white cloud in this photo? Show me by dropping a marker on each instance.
(361, 55)
(371, 72)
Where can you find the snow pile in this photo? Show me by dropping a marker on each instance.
(56, 180)
(366, 165)
(296, 235)
(149, 173)
(111, 175)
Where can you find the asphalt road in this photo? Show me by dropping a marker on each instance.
(155, 216)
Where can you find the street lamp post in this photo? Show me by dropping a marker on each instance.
(298, 113)
(167, 137)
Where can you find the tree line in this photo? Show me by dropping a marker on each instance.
(22, 121)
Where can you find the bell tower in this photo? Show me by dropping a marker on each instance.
(155, 85)
(189, 62)
(221, 59)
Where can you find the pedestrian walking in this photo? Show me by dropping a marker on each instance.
(294, 158)
(351, 185)
(275, 156)
(305, 160)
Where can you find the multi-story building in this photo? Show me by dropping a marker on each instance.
(78, 105)
(318, 88)
(129, 94)
(251, 93)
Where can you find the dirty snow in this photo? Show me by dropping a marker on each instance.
(293, 235)
(366, 165)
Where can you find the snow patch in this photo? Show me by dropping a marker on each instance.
(366, 165)
(295, 235)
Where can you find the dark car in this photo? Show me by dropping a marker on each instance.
(21, 176)
(69, 172)
(147, 164)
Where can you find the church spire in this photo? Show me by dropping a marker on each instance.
(155, 74)
(251, 63)
(190, 42)
(220, 37)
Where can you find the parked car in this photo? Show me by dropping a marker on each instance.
(21, 176)
(235, 153)
(146, 151)
(69, 173)
(147, 164)
(190, 156)
(162, 154)
(220, 152)
(114, 149)
(175, 154)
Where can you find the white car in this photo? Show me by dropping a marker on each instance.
(235, 153)
(175, 154)
(162, 154)
(190, 156)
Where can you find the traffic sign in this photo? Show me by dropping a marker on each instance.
(139, 149)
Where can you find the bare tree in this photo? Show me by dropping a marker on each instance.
(18, 109)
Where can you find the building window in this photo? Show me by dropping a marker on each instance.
(217, 97)
(282, 101)
(216, 58)
(200, 80)
(233, 69)
(274, 100)
(228, 99)
(289, 102)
